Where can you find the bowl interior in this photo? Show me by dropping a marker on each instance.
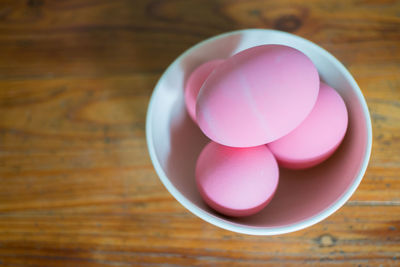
(175, 141)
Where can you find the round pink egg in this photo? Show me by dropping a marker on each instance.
(194, 83)
(236, 181)
(257, 96)
(318, 136)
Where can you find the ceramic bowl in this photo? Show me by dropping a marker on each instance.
(303, 198)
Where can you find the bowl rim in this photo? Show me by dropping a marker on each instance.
(258, 230)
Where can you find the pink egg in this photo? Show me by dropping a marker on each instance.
(236, 181)
(257, 96)
(318, 136)
(194, 83)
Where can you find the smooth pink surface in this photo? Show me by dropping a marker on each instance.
(257, 96)
(194, 83)
(318, 136)
(236, 181)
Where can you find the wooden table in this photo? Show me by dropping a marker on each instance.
(77, 184)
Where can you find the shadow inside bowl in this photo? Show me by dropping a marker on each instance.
(187, 141)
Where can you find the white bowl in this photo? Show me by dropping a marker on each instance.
(303, 198)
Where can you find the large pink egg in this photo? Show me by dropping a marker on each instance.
(257, 96)
(236, 181)
(194, 83)
(318, 136)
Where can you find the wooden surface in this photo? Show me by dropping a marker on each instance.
(77, 185)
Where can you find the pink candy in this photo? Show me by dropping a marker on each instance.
(236, 181)
(194, 83)
(317, 137)
(263, 103)
(257, 96)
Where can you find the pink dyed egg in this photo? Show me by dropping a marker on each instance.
(257, 96)
(194, 83)
(236, 181)
(318, 136)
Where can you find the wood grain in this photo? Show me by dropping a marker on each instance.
(77, 185)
